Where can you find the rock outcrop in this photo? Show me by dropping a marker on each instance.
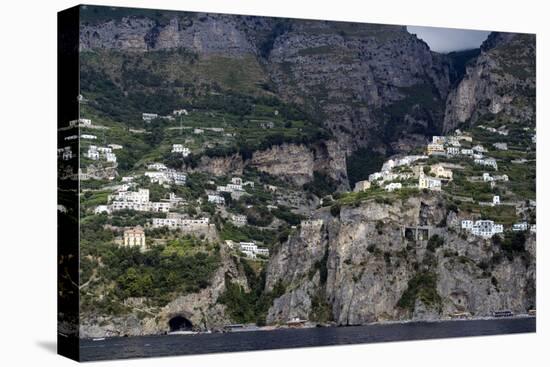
(373, 263)
(201, 309)
(500, 81)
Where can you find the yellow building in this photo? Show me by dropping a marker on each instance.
(435, 148)
(134, 237)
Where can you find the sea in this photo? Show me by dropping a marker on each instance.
(173, 345)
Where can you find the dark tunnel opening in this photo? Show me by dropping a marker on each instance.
(179, 323)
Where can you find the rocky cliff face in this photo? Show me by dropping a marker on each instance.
(201, 309)
(500, 81)
(360, 80)
(293, 162)
(376, 267)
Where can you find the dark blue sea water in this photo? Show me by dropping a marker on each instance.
(169, 345)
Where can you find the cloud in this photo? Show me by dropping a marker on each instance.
(449, 39)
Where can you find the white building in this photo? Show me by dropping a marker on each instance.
(439, 140)
(216, 199)
(468, 152)
(479, 148)
(102, 209)
(486, 228)
(148, 117)
(467, 224)
(104, 150)
(393, 186)
(440, 171)
(262, 251)
(93, 153)
(496, 200)
(501, 146)
(179, 148)
(115, 146)
(88, 136)
(487, 177)
(110, 157)
(157, 177)
(198, 131)
(162, 207)
(490, 162)
(172, 223)
(427, 182)
(157, 166)
(180, 112)
(81, 122)
(238, 219)
(140, 196)
(453, 151)
(236, 181)
(251, 249)
(518, 227)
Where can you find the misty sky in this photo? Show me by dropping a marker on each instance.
(448, 39)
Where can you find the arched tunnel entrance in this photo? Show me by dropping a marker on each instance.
(180, 323)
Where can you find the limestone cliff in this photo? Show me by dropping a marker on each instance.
(373, 263)
(295, 163)
(500, 81)
(361, 81)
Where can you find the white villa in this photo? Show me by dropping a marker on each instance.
(393, 186)
(175, 221)
(157, 166)
(250, 249)
(468, 152)
(115, 146)
(482, 228)
(179, 148)
(453, 151)
(518, 227)
(110, 157)
(501, 146)
(490, 162)
(238, 219)
(180, 112)
(496, 200)
(427, 182)
(440, 171)
(216, 199)
(148, 117)
(80, 122)
(479, 148)
(488, 178)
(88, 136)
(93, 153)
(102, 209)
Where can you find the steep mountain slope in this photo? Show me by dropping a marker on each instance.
(499, 85)
(368, 85)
